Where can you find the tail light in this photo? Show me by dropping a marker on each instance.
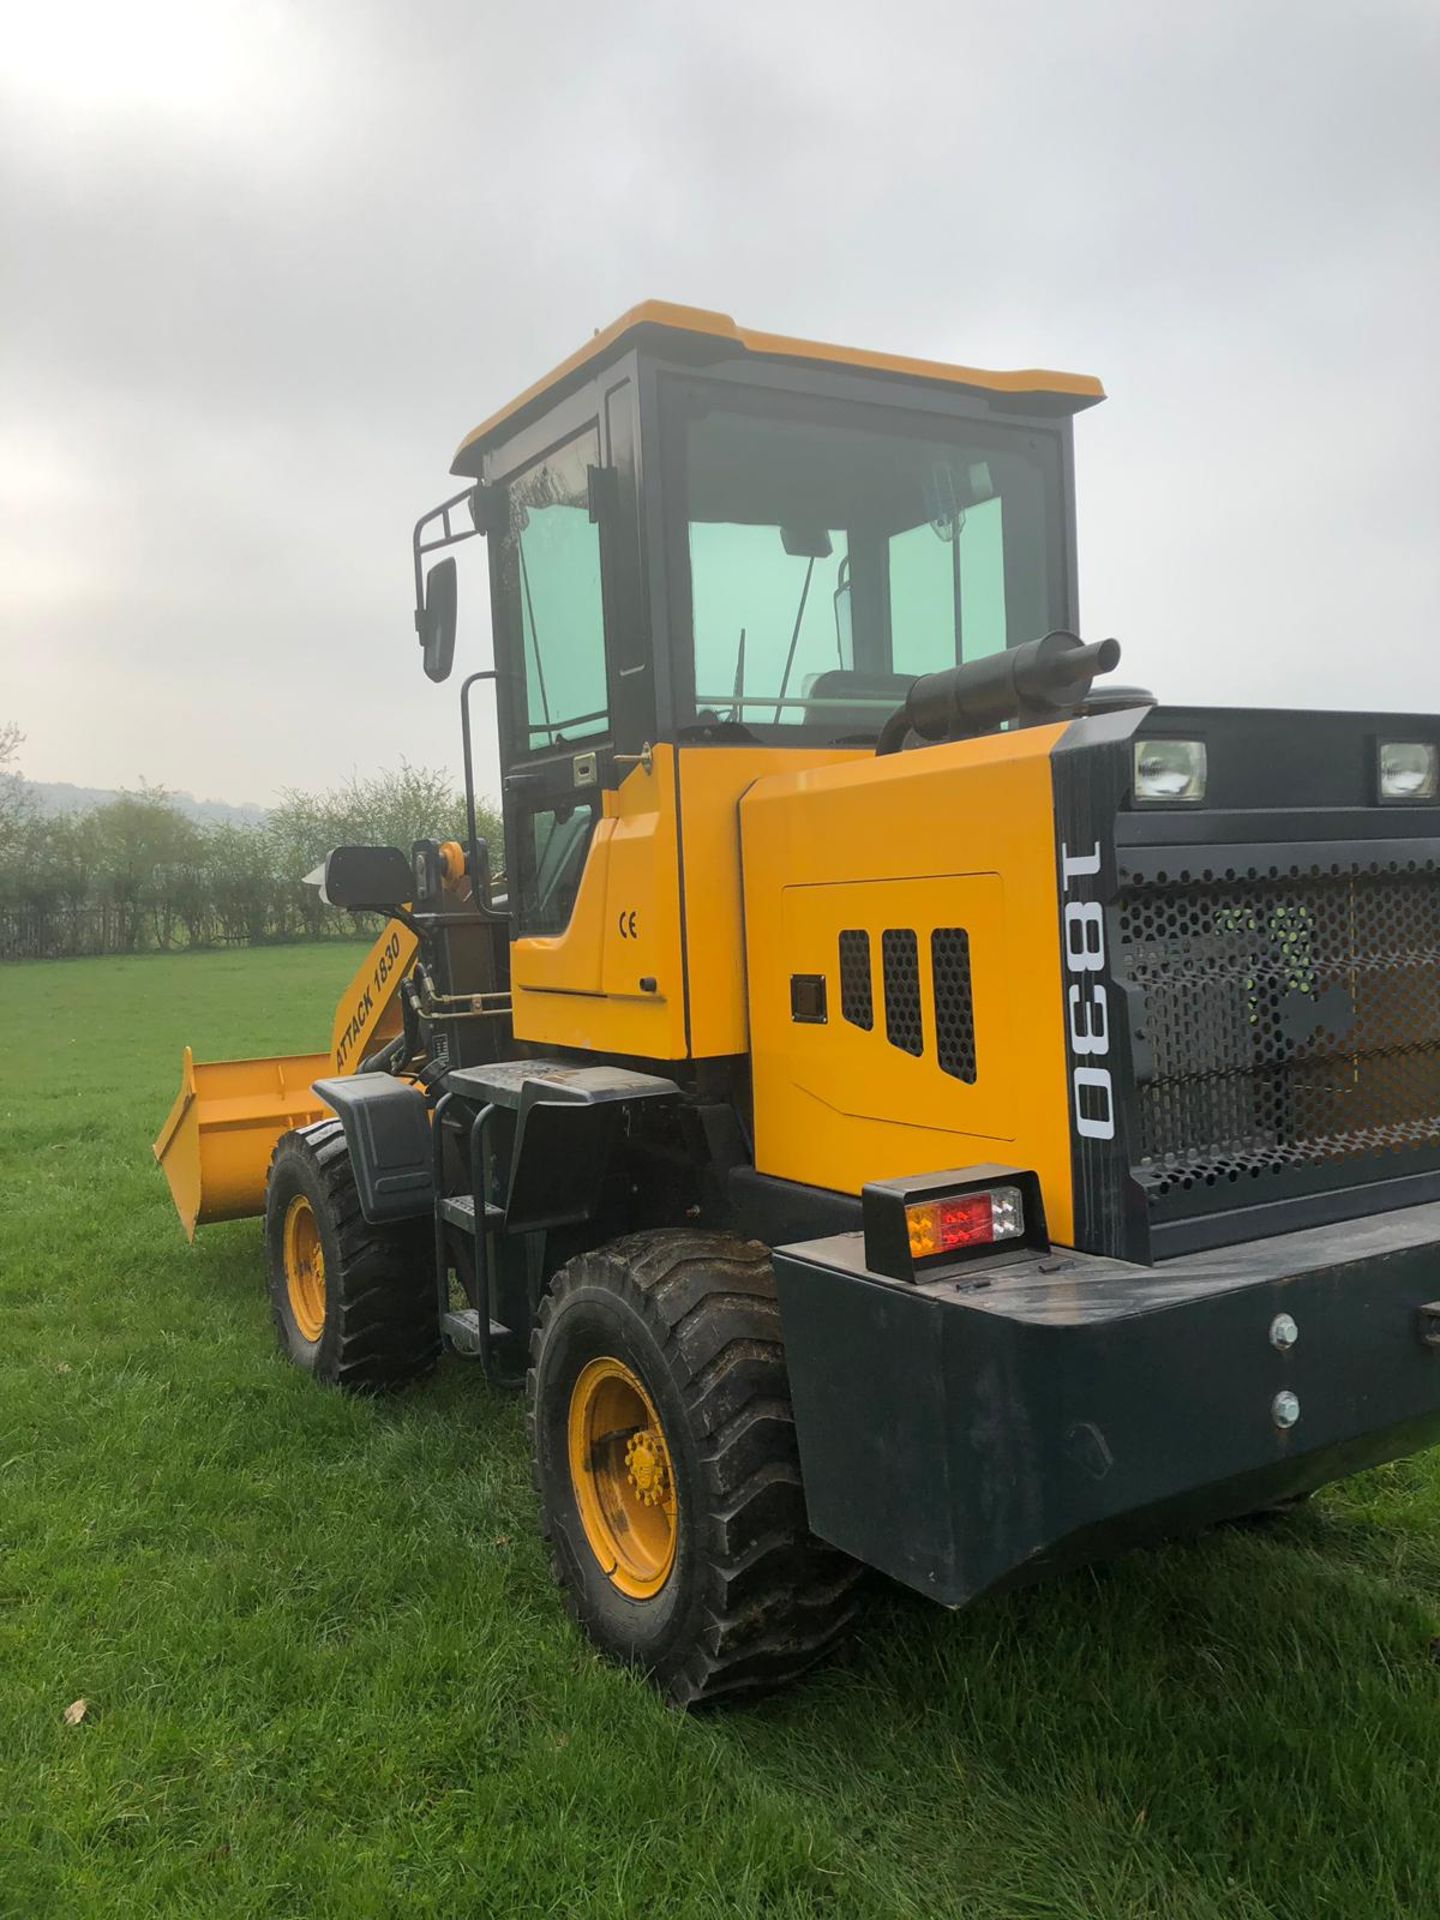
(968, 1220)
(917, 1227)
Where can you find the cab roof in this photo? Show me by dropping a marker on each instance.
(697, 335)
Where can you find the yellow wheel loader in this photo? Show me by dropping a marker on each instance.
(911, 1102)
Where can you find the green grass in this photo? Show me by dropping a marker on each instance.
(327, 1672)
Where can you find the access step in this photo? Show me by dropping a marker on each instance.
(517, 1083)
(459, 1211)
(462, 1330)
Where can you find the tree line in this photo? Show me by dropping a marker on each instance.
(137, 874)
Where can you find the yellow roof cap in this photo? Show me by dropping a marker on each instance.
(717, 336)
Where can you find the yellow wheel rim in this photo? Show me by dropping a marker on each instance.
(305, 1268)
(624, 1481)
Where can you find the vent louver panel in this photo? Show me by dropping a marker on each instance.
(954, 1002)
(857, 994)
(900, 960)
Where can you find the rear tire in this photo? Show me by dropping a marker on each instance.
(354, 1304)
(657, 1388)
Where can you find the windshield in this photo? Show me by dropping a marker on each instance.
(830, 563)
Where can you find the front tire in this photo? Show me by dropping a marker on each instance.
(354, 1304)
(666, 1466)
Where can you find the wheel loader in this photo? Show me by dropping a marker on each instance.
(900, 1100)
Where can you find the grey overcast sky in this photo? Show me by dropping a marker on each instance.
(265, 263)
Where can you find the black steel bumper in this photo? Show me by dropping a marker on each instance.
(981, 1429)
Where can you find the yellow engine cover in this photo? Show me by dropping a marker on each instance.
(955, 840)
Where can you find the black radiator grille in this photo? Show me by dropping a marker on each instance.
(1283, 1019)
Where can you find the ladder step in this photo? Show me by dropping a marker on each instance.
(459, 1211)
(462, 1330)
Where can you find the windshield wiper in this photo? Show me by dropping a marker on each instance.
(535, 641)
(795, 636)
(737, 692)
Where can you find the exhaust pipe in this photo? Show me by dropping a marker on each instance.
(1032, 683)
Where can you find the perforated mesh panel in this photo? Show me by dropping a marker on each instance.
(900, 960)
(857, 995)
(954, 1002)
(1290, 1019)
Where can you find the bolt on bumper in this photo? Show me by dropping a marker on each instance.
(977, 1430)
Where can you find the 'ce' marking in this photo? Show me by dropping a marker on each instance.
(627, 926)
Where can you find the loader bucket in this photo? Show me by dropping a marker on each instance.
(216, 1145)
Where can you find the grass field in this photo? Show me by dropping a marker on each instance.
(327, 1673)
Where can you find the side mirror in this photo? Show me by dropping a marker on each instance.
(359, 877)
(435, 620)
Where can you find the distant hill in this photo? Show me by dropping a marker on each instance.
(60, 796)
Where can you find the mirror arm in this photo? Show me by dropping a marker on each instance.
(448, 536)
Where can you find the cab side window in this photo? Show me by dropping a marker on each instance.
(557, 843)
(555, 568)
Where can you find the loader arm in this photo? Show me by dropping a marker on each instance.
(216, 1144)
(368, 1011)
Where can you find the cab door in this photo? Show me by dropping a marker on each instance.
(555, 735)
(592, 854)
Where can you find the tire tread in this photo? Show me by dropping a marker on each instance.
(776, 1600)
(388, 1328)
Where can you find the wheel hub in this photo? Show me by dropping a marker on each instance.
(305, 1267)
(622, 1477)
(648, 1460)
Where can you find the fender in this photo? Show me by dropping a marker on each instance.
(387, 1129)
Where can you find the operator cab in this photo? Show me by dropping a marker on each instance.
(705, 537)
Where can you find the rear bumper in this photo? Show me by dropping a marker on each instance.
(976, 1431)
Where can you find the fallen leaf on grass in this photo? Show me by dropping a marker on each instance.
(76, 1712)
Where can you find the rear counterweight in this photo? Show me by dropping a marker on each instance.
(977, 1430)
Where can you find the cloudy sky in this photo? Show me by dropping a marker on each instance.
(265, 263)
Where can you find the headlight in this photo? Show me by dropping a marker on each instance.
(1408, 769)
(1170, 770)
